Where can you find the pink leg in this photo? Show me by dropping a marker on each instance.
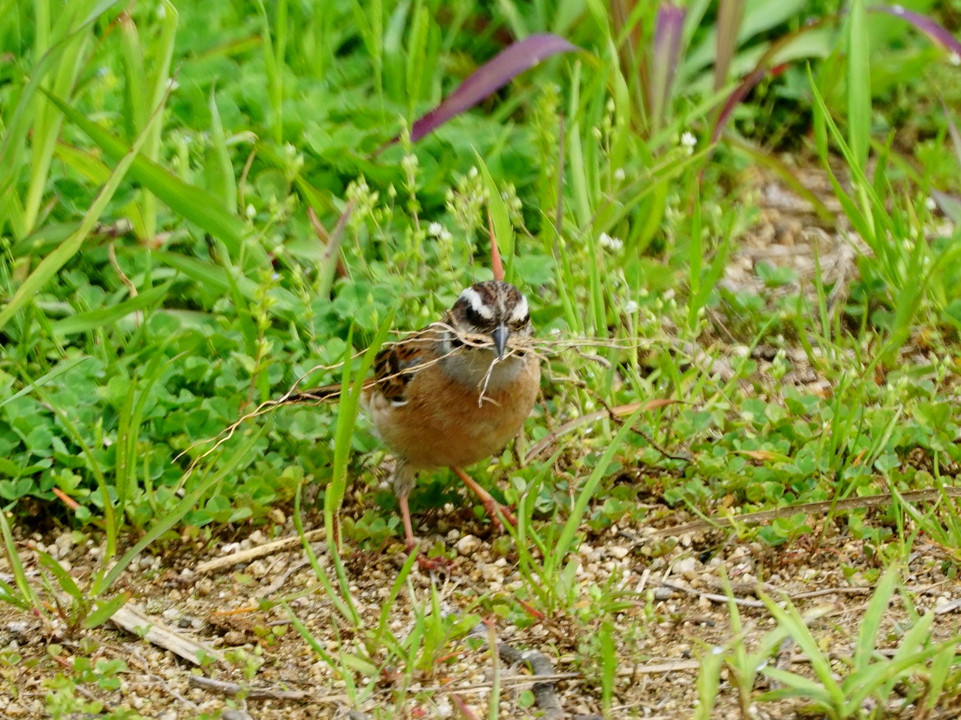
(425, 563)
(493, 508)
(408, 528)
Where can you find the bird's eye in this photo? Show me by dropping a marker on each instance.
(522, 322)
(475, 318)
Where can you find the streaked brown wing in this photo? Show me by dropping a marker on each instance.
(397, 363)
(394, 366)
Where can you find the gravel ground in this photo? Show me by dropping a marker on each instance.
(673, 609)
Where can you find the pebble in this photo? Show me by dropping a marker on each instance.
(468, 545)
(233, 714)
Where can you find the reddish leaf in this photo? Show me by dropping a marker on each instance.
(667, 48)
(929, 27)
(489, 78)
(760, 70)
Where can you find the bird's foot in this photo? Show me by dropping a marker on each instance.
(493, 508)
(435, 564)
(498, 512)
(429, 564)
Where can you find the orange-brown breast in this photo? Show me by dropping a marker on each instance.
(442, 424)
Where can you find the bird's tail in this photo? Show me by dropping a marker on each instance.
(322, 394)
(326, 393)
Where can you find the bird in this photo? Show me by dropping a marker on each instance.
(454, 393)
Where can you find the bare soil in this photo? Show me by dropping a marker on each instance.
(677, 601)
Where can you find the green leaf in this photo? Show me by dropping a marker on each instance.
(500, 219)
(52, 263)
(105, 610)
(859, 84)
(871, 623)
(63, 578)
(192, 202)
(93, 319)
(63, 367)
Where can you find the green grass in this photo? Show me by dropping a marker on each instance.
(162, 275)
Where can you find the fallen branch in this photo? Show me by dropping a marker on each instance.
(858, 503)
(248, 691)
(134, 620)
(244, 556)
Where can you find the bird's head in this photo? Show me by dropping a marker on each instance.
(495, 310)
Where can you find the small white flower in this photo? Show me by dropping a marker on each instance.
(930, 204)
(631, 307)
(954, 59)
(612, 243)
(172, 84)
(619, 175)
(688, 141)
(473, 172)
(554, 331)
(251, 212)
(435, 229)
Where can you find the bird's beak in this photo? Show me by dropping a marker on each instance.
(500, 335)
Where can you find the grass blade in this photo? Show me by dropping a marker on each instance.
(859, 84)
(194, 203)
(52, 263)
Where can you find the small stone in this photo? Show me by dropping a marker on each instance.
(468, 545)
(685, 565)
(234, 638)
(491, 573)
(233, 714)
(618, 551)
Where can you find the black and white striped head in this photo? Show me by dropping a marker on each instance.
(495, 309)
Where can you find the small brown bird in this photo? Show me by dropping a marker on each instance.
(455, 392)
